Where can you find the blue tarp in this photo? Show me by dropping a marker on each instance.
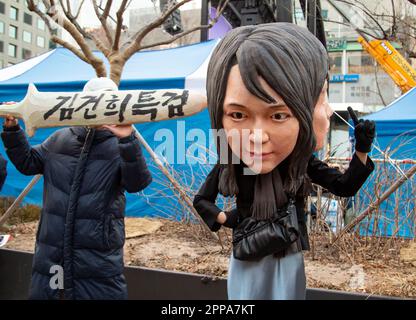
(396, 134)
(62, 71)
(396, 127)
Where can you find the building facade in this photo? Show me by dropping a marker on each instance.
(23, 35)
(190, 18)
(355, 78)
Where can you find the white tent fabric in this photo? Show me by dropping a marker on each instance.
(20, 68)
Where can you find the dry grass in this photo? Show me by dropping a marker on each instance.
(174, 246)
(25, 213)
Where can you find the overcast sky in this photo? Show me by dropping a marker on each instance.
(88, 19)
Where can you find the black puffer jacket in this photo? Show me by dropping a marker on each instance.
(3, 171)
(82, 222)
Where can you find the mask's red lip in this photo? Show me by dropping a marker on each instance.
(264, 154)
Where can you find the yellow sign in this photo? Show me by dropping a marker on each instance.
(392, 62)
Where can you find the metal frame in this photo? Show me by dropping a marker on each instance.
(146, 284)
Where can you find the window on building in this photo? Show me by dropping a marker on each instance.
(27, 18)
(360, 91)
(41, 6)
(13, 32)
(26, 54)
(2, 7)
(14, 13)
(40, 41)
(299, 14)
(12, 50)
(41, 24)
(360, 62)
(335, 62)
(52, 45)
(27, 37)
(1, 46)
(324, 14)
(1, 27)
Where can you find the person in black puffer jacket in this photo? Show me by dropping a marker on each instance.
(80, 237)
(3, 171)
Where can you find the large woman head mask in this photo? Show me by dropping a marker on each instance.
(267, 79)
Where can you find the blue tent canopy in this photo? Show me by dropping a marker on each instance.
(60, 70)
(396, 127)
(396, 134)
(398, 117)
(402, 109)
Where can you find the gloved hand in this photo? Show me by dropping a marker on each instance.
(364, 132)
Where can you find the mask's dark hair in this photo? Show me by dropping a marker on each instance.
(293, 62)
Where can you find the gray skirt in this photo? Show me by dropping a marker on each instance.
(270, 278)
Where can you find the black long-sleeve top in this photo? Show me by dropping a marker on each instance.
(340, 184)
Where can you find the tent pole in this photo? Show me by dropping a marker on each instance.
(176, 185)
(19, 199)
(374, 205)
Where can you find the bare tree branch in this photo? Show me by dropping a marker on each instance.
(111, 50)
(68, 5)
(103, 19)
(370, 15)
(161, 43)
(107, 9)
(105, 49)
(33, 8)
(73, 19)
(394, 26)
(378, 85)
(70, 47)
(213, 21)
(119, 26)
(349, 25)
(109, 15)
(53, 14)
(128, 5)
(79, 9)
(139, 36)
(387, 18)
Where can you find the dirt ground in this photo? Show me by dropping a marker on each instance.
(165, 244)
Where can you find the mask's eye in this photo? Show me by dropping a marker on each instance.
(280, 116)
(237, 115)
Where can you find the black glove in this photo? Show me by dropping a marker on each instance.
(364, 132)
(232, 218)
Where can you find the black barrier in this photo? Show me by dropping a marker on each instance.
(145, 283)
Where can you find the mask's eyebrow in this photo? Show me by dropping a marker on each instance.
(278, 104)
(235, 104)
